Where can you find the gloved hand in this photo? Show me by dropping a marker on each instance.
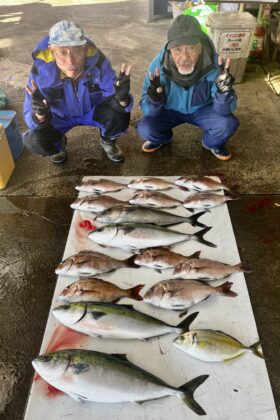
(225, 80)
(39, 103)
(122, 85)
(155, 91)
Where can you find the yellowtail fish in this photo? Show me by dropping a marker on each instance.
(100, 186)
(92, 376)
(214, 346)
(97, 290)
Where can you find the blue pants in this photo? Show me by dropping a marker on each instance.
(216, 129)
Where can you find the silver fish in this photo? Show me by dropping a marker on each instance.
(95, 204)
(204, 269)
(161, 258)
(97, 290)
(132, 236)
(214, 346)
(100, 186)
(93, 376)
(207, 200)
(123, 214)
(182, 294)
(155, 200)
(152, 184)
(88, 263)
(113, 321)
(203, 183)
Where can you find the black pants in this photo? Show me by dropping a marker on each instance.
(46, 139)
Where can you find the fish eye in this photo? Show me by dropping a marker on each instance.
(46, 358)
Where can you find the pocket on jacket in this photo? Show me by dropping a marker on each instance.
(201, 93)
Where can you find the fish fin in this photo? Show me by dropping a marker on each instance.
(127, 229)
(256, 349)
(158, 270)
(180, 187)
(225, 289)
(134, 292)
(181, 314)
(77, 398)
(234, 357)
(188, 389)
(240, 267)
(185, 324)
(120, 356)
(193, 219)
(97, 315)
(130, 262)
(200, 238)
(195, 255)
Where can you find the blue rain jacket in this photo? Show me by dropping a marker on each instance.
(186, 100)
(71, 105)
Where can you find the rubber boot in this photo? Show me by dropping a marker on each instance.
(111, 149)
(60, 157)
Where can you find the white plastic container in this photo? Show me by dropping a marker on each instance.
(232, 33)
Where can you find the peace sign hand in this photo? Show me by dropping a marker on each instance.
(155, 90)
(122, 85)
(225, 80)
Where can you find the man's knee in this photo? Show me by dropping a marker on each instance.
(44, 142)
(144, 128)
(226, 126)
(113, 122)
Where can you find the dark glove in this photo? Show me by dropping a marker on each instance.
(39, 103)
(152, 90)
(225, 80)
(122, 87)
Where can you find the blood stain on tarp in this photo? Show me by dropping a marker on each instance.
(62, 338)
(259, 204)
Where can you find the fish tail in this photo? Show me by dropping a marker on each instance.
(225, 289)
(188, 389)
(232, 195)
(193, 219)
(240, 267)
(130, 262)
(185, 324)
(256, 349)
(199, 235)
(134, 292)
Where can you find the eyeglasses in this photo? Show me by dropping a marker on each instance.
(66, 53)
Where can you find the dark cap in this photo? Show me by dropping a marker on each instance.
(184, 30)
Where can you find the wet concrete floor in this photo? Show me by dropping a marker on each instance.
(34, 208)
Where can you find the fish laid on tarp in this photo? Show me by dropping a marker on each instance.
(214, 346)
(93, 376)
(100, 186)
(182, 294)
(205, 201)
(88, 263)
(161, 258)
(133, 236)
(123, 214)
(109, 320)
(152, 184)
(96, 204)
(203, 183)
(98, 290)
(155, 200)
(205, 269)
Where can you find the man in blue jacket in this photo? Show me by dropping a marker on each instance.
(72, 83)
(188, 83)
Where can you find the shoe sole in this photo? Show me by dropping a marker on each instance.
(224, 158)
(151, 150)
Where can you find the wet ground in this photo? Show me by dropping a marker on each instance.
(34, 208)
